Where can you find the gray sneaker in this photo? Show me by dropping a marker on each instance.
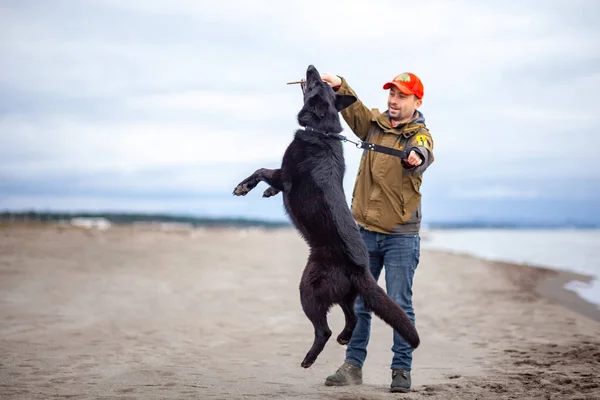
(347, 374)
(400, 381)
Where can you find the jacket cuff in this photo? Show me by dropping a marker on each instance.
(343, 87)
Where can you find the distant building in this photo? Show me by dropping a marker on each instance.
(91, 223)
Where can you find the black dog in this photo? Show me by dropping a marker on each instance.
(310, 178)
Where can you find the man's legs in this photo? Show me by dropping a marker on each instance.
(401, 255)
(356, 351)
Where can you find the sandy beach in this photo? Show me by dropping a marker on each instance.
(136, 313)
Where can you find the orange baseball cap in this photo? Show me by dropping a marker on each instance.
(407, 83)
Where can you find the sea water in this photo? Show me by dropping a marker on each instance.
(574, 250)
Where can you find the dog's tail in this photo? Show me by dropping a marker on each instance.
(384, 307)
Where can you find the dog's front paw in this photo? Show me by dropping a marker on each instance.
(241, 190)
(245, 186)
(271, 191)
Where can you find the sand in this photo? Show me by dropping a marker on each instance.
(214, 314)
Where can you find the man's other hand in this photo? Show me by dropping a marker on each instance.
(414, 160)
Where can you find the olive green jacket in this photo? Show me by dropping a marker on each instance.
(386, 196)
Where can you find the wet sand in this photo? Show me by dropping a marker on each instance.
(132, 313)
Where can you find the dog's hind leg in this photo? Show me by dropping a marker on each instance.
(347, 306)
(271, 176)
(317, 314)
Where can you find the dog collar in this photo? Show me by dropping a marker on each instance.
(308, 128)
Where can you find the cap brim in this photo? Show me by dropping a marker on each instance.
(401, 88)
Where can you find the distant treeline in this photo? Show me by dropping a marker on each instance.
(130, 218)
(510, 225)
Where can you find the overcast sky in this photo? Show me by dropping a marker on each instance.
(166, 105)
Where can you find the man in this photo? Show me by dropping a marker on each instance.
(386, 203)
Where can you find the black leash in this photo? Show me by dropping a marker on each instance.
(364, 145)
(361, 145)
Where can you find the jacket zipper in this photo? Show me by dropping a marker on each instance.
(402, 179)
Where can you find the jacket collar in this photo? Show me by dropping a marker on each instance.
(406, 129)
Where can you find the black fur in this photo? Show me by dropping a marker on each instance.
(311, 180)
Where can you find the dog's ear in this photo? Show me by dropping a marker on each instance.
(343, 100)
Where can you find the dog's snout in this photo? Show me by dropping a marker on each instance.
(312, 71)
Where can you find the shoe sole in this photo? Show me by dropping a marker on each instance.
(330, 383)
(399, 390)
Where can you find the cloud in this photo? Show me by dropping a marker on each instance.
(68, 145)
(185, 97)
(493, 192)
(242, 107)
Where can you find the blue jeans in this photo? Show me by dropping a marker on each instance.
(400, 256)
